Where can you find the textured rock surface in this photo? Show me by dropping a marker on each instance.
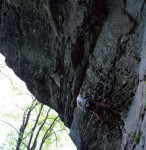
(58, 46)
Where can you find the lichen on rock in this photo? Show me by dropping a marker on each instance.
(57, 47)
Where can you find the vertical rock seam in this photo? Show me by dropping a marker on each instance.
(56, 47)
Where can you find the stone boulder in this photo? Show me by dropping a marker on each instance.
(57, 47)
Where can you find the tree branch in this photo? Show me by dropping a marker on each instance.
(24, 124)
(46, 135)
(34, 127)
(35, 140)
(9, 125)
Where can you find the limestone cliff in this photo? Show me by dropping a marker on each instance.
(58, 46)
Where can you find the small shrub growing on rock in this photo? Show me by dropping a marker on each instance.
(145, 105)
(137, 137)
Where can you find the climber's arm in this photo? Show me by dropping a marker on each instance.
(79, 104)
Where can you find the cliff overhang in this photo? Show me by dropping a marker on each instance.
(57, 47)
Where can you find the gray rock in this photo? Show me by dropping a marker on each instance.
(56, 47)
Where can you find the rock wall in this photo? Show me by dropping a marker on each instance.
(56, 47)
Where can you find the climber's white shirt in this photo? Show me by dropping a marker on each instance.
(82, 101)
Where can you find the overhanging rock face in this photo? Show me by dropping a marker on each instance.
(58, 46)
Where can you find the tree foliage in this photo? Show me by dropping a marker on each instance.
(40, 128)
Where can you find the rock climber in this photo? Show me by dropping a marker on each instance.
(85, 105)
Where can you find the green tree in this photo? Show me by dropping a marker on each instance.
(40, 128)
